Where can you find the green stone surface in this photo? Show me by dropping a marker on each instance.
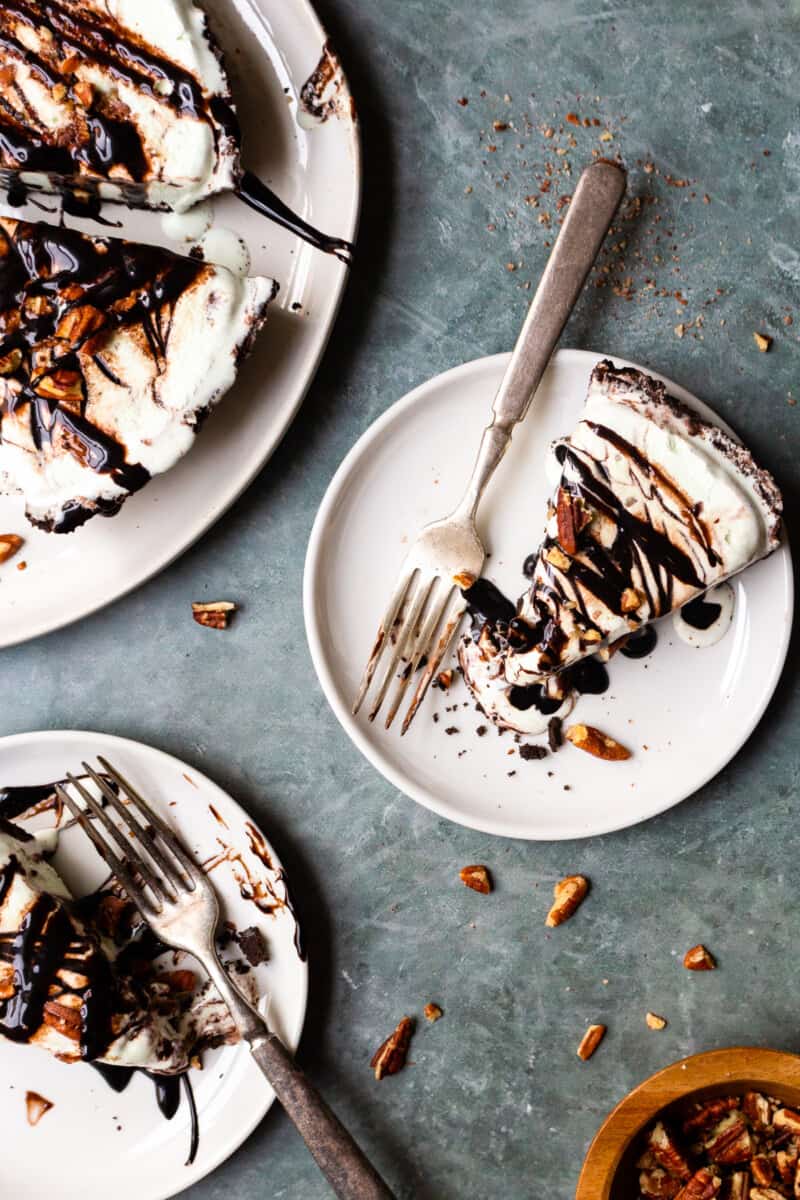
(496, 1103)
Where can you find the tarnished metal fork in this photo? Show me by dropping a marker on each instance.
(427, 603)
(179, 903)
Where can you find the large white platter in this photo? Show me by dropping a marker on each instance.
(684, 712)
(272, 47)
(93, 1143)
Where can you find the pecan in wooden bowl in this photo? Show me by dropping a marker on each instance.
(718, 1126)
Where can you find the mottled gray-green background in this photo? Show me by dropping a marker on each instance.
(496, 1103)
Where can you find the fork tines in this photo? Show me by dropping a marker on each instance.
(151, 864)
(417, 629)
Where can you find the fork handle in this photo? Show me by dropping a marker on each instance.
(591, 211)
(342, 1162)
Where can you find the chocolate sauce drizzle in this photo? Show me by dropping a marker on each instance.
(701, 613)
(48, 951)
(258, 196)
(488, 606)
(68, 293)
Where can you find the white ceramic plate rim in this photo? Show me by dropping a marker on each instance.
(106, 742)
(319, 658)
(263, 451)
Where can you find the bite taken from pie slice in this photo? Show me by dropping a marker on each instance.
(115, 100)
(653, 507)
(111, 353)
(74, 984)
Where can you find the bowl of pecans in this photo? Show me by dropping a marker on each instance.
(718, 1126)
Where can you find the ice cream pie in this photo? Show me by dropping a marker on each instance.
(654, 506)
(115, 100)
(111, 353)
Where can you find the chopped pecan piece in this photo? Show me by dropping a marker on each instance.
(36, 1106)
(699, 959)
(464, 580)
(632, 600)
(476, 877)
(587, 738)
(557, 558)
(590, 1041)
(702, 1186)
(763, 341)
(214, 615)
(10, 543)
(433, 1013)
(390, 1058)
(568, 894)
(655, 1022)
(666, 1152)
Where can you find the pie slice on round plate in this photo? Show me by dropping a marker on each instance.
(653, 507)
(111, 353)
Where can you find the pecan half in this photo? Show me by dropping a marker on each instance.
(765, 1193)
(786, 1163)
(730, 1142)
(476, 877)
(590, 1041)
(666, 1152)
(572, 517)
(757, 1109)
(739, 1186)
(214, 615)
(709, 1113)
(10, 543)
(391, 1056)
(699, 959)
(587, 738)
(656, 1184)
(787, 1118)
(568, 894)
(761, 1169)
(702, 1186)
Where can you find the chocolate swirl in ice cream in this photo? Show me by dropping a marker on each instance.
(54, 55)
(111, 352)
(61, 296)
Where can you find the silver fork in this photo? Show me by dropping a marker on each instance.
(427, 603)
(180, 905)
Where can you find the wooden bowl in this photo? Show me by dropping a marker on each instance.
(609, 1169)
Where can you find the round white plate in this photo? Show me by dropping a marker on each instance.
(271, 48)
(683, 712)
(95, 1142)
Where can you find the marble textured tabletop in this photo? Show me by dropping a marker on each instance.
(464, 110)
